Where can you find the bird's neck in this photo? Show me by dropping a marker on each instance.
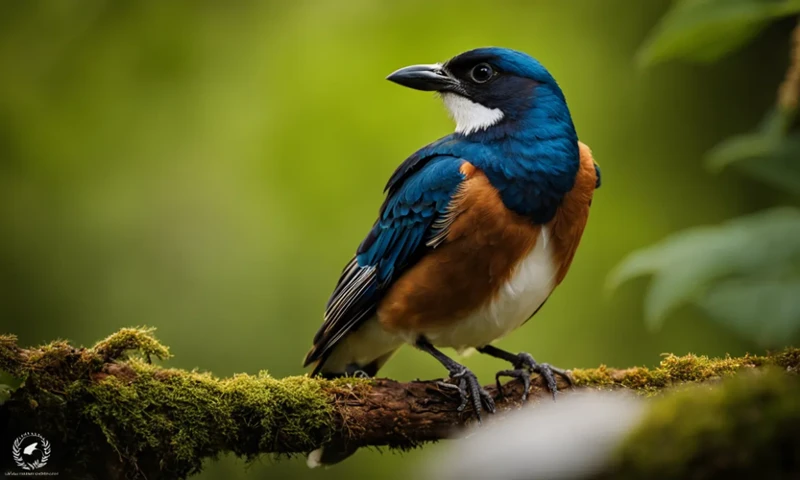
(534, 158)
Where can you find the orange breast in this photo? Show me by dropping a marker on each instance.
(570, 220)
(485, 242)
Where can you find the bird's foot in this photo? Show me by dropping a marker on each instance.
(467, 383)
(470, 390)
(353, 370)
(524, 365)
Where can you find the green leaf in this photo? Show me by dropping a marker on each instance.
(766, 310)
(770, 155)
(673, 277)
(780, 167)
(705, 30)
(685, 265)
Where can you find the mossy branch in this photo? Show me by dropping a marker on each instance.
(146, 421)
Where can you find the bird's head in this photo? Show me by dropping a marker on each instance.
(490, 87)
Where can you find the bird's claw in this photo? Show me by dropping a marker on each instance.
(461, 392)
(524, 365)
(470, 390)
(520, 373)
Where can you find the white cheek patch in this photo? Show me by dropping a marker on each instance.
(470, 116)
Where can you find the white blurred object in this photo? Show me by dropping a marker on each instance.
(567, 439)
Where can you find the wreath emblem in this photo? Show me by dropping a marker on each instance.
(42, 446)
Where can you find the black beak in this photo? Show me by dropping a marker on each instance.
(424, 77)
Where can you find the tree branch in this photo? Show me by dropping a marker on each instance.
(146, 421)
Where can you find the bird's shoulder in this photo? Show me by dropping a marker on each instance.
(451, 146)
(409, 213)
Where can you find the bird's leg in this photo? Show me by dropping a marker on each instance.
(468, 386)
(524, 365)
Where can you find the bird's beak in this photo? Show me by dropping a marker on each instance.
(424, 77)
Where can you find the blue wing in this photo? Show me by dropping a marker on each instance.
(444, 147)
(412, 220)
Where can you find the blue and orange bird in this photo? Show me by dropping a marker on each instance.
(476, 231)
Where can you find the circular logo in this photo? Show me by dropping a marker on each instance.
(31, 451)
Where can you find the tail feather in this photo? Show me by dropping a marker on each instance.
(370, 369)
(338, 450)
(329, 455)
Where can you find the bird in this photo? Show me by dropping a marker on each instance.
(30, 448)
(475, 232)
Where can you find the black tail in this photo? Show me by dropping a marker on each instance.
(330, 454)
(337, 450)
(352, 370)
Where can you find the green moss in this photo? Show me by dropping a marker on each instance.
(54, 365)
(165, 420)
(788, 359)
(674, 369)
(131, 339)
(188, 416)
(172, 417)
(744, 428)
(9, 355)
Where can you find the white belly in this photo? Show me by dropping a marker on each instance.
(528, 287)
(362, 346)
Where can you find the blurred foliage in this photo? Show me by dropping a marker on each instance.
(770, 154)
(746, 272)
(207, 168)
(705, 30)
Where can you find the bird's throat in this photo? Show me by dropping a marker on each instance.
(470, 116)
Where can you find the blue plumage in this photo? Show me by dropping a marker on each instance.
(407, 215)
(484, 269)
(530, 156)
(396, 241)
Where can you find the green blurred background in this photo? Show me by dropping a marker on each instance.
(207, 168)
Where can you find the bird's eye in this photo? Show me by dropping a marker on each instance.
(482, 73)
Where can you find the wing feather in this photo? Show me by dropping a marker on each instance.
(414, 218)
